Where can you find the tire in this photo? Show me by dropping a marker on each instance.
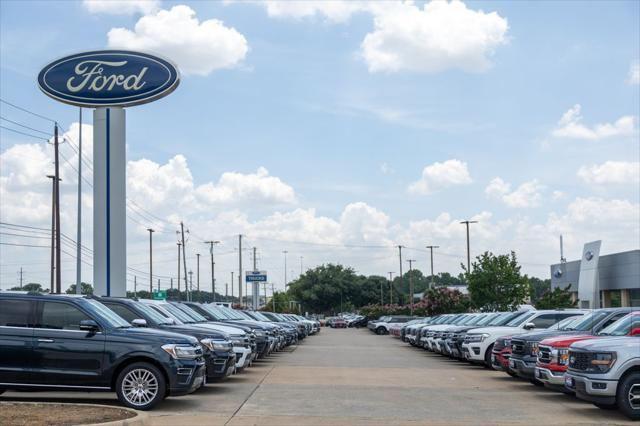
(511, 373)
(536, 382)
(605, 406)
(381, 330)
(146, 375)
(629, 387)
(487, 356)
(2, 391)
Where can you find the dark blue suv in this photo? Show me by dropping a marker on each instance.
(55, 342)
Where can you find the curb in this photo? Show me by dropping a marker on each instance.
(140, 418)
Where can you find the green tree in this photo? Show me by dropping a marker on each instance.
(85, 288)
(495, 282)
(324, 289)
(538, 287)
(31, 288)
(556, 298)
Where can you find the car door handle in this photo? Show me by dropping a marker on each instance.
(45, 340)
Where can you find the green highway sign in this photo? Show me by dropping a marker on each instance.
(160, 295)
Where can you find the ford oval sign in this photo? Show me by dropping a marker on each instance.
(108, 78)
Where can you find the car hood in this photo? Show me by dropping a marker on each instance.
(153, 335)
(565, 341)
(536, 336)
(199, 333)
(607, 344)
(498, 331)
(223, 328)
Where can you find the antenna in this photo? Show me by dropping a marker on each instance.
(562, 258)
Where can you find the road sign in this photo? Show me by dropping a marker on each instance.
(108, 78)
(160, 295)
(256, 276)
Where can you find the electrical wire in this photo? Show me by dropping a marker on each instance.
(27, 111)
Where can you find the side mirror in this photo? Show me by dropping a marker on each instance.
(139, 322)
(89, 325)
(529, 326)
(635, 331)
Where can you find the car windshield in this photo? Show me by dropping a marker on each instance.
(259, 316)
(588, 321)
(486, 319)
(189, 311)
(153, 314)
(503, 318)
(212, 312)
(106, 314)
(623, 326)
(520, 319)
(231, 314)
(568, 323)
(177, 313)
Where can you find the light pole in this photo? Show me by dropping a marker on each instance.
(198, 273)
(467, 222)
(431, 249)
(151, 231)
(401, 276)
(213, 267)
(411, 284)
(391, 287)
(285, 268)
(179, 244)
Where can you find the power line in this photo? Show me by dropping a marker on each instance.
(27, 111)
(24, 133)
(25, 126)
(23, 245)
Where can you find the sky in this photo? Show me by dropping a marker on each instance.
(336, 131)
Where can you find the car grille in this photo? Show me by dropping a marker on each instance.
(544, 354)
(580, 360)
(518, 347)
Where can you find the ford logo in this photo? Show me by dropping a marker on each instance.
(108, 78)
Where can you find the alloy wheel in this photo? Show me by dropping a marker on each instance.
(140, 387)
(634, 396)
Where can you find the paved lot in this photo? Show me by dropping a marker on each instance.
(353, 377)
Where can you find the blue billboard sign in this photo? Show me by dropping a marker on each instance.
(256, 276)
(108, 78)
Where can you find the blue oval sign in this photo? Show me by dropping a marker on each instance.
(108, 78)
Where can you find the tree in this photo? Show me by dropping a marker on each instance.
(537, 288)
(327, 288)
(558, 298)
(441, 300)
(31, 288)
(495, 282)
(85, 288)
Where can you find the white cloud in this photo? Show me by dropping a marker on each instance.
(197, 47)
(121, 7)
(623, 172)
(439, 36)
(333, 11)
(558, 195)
(441, 175)
(633, 77)
(442, 35)
(386, 169)
(526, 195)
(571, 126)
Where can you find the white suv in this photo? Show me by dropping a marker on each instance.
(479, 342)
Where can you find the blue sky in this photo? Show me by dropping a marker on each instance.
(304, 103)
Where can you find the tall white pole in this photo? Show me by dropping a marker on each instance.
(79, 232)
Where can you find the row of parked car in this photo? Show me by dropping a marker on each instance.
(592, 354)
(143, 350)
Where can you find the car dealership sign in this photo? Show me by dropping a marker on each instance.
(108, 78)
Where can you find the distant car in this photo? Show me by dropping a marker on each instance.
(338, 323)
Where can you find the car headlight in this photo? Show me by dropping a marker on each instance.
(216, 345)
(476, 338)
(237, 342)
(603, 361)
(182, 351)
(534, 348)
(259, 333)
(561, 356)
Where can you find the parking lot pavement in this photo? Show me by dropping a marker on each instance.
(353, 377)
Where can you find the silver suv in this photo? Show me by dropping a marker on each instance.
(606, 371)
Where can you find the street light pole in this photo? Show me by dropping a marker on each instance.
(213, 267)
(411, 284)
(401, 276)
(391, 287)
(467, 222)
(431, 249)
(151, 231)
(198, 273)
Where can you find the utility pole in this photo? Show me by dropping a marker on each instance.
(381, 295)
(431, 249)
(232, 284)
(273, 296)
(226, 290)
(401, 276)
(285, 269)
(57, 210)
(467, 222)
(79, 229)
(171, 283)
(240, 268)
(190, 282)
(411, 284)
(198, 272)
(21, 277)
(179, 244)
(151, 231)
(53, 233)
(391, 287)
(135, 286)
(255, 288)
(213, 268)
(158, 284)
(184, 262)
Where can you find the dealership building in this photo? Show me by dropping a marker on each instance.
(611, 280)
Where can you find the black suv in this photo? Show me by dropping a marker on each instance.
(55, 342)
(219, 356)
